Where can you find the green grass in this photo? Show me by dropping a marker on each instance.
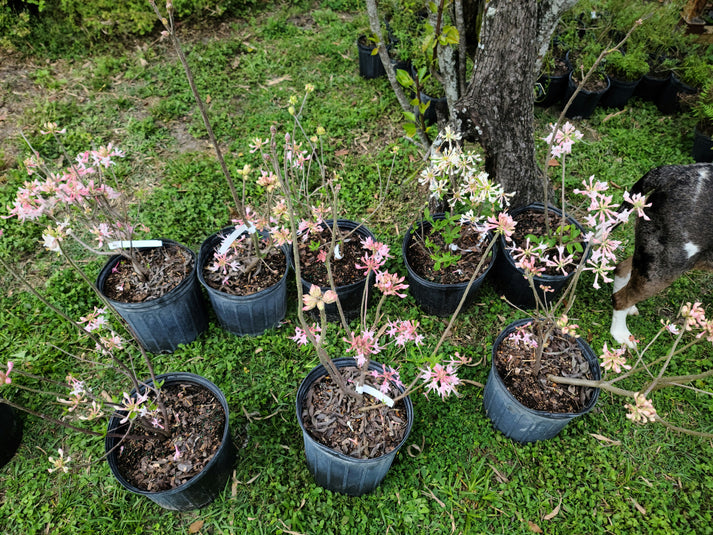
(456, 474)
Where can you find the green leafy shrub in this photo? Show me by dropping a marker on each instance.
(629, 66)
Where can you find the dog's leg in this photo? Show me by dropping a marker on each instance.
(636, 289)
(622, 274)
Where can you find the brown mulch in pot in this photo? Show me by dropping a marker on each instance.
(344, 270)
(562, 357)
(335, 420)
(420, 261)
(196, 422)
(167, 267)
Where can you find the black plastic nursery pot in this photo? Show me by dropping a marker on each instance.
(350, 295)
(370, 65)
(669, 100)
(650, 87)
(202, 489)
(519, 422)
(510, 280)
(619, 93)
(10, 433)
(702, 146)
(243, 314)
(552, 89)
(438, 299)
(585, 102)
(161, 325)
(333, 470)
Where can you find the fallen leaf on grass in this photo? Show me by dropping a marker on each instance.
(638, 507)
(276, 81)
(554, 512)
(534, 527)
(609, 441)
(196, 526)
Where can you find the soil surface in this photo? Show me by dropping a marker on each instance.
(344, 271)
(251, 274)
(470, 247)
(533, 222)
(195, 421)
(166, 267)
(562, 357)
(335, 420)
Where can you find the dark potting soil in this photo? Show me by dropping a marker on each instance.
(262, 273)
(471, 249)
(335, 420)
(533, 222)
(594, 84)
(562, 357)
(196, 422)
(344, 271)
(166, 266)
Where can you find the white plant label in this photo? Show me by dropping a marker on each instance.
(235, 235)
(137, 244)
(378, 394)
(337, 253)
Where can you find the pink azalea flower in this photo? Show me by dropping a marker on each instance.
(442, 379)
(390, 283)
(315, 298)
(363, 345)
(387, 376)
(643, 411)
(504, 224)
(404, 331)
(301, 335)
(5, 376)
(614, 359)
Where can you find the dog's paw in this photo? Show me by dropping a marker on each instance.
(619, 330)
(632, 311)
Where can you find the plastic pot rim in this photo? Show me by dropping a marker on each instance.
(425, 282)
(179, 377)
(583, 346)
(320, 371)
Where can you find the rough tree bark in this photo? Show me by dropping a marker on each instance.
(498, 104)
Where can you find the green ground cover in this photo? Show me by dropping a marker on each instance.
(602, 474)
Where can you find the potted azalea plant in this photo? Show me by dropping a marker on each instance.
(243, 267)
(166, 435)
(355, 412)
(445, 251)
(151, 284)
(328, 246)
(544, 230)
(520, 398)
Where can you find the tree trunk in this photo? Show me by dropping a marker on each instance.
(498, 104)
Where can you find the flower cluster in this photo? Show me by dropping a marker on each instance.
(107, 339)
(77, 199)
(693, 321)
(458, 176)
(643, 411)
(373, 339)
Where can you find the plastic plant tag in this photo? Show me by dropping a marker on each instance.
(337, 253)
(137, 244)
(378, 394)
(227, 242)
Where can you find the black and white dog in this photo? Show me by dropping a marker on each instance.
(678, 237)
